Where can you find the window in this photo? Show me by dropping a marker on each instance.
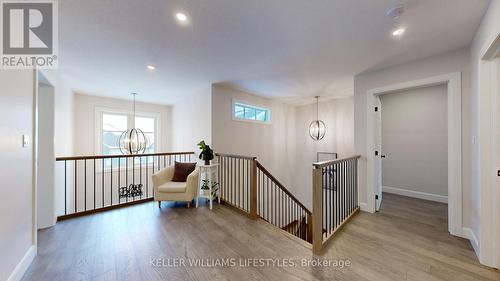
(247, 112)
(111, 125)
(147, 126)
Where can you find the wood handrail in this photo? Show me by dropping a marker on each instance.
(323, 164)
(235, 156)
(282, 187)
(90, 157)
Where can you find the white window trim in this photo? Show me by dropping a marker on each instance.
(251, 104)
(99, 111)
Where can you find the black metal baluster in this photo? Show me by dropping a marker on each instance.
(85, 185)
(331, 190)
(119, 178)
(350, 186)
(94, 183)
(65, 187)
(238, 187)
(337, 193)
(275, 205)
(111, 180)
(343, 190)
(140, 174)
(126, 179)
(76, 184)
(267, 199)
(102, 182)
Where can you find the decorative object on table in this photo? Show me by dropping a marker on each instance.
(133, 190)
(317, 129)
(207, 153)
(133, 141)
(206, 189)
(182, 171)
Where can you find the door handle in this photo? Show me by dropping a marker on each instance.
(382, 156)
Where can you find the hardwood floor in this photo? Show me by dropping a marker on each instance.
(407, 240)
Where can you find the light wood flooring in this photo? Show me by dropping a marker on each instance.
(406, 240)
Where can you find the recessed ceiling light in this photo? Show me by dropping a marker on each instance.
(398, 32)
(151, 67)
(181, 17)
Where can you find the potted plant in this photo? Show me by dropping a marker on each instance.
(206, 190)
(207, 153)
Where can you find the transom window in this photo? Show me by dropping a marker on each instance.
(246, 112)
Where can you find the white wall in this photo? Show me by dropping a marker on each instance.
(63, 128)
(191, 120)
(16, 211)
(485, 35)
(267, 142)
(46, 157)
(338, 115)
(456, 61)
(84, 120)
(284, 146)
(415, 142)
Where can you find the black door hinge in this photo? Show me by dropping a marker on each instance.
(376, 108)
(376, 197)
(376, 152)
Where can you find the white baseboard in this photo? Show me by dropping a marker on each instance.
(469, 234)
(364, 207)
(415, 194)
(23, 265)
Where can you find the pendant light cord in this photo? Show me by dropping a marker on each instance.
(134, 94)
(317, 107)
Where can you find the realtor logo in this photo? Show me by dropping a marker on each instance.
(29, 33)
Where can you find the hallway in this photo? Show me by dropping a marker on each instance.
(406, 240)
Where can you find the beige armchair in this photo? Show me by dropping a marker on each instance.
(167, 190)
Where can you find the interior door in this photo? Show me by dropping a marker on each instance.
(378, 153)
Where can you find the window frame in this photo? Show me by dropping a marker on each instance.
(250, 105)
(98, 128)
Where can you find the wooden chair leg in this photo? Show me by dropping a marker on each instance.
(159, 204)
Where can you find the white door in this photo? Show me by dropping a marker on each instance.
(378, 153)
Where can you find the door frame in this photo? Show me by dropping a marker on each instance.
(454, 108)
(489, 243)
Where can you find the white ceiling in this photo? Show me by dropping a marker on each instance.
(276, 48)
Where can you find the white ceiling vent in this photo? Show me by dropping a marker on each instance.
(395, 11)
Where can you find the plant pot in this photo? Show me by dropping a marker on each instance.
(207, 162)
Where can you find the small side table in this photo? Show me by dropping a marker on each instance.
(210, 173)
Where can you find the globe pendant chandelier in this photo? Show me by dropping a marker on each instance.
(317, 129)
(133, 141)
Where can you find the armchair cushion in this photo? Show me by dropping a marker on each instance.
(182, 171)
(172, 187)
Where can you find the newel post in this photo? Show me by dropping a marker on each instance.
(253, 189)
(317, 231)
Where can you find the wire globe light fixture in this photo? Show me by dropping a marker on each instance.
(133, 141)
(317, 129)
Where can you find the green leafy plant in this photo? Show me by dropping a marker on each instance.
(215, 187)
(207, 153)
